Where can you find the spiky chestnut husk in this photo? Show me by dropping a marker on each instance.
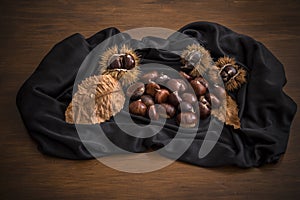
(125, 76)
(98, 99)
(197, 59)
(235, 81)
(228, 112)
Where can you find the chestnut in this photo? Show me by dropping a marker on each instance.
(175, 99)
(204, 108)
(152, 113)
(166, 110)
(176, 85)
(185, 75)
(135, 91)
(185, 107)
(162, 78)
(147, 100)
(122, 61)
(150, 76)
(115, 62)
(213, 100)
(187, 119)
(202, 80)
(138, 108)
(219, 91)
(189, 97)
(198, 87)
(152, 88)
(128, 61)
(162, 96)
(228, 72)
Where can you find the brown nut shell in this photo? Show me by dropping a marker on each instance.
(150, 76)
(162, 96)
(176, 85)
(166, 110)
(174, 99)
(147, 100)
(199, 87)
(187, 119)
(186, 76)
(152, 113)
(185, 107)
(152, 88)
(162, 78)
(135, 91)
(204, 108)
(138, 108)
(189, 97)
(214, 101)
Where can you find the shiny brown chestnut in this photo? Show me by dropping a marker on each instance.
(176, 85)
(147, 100)
(152, 112)
(204, 107)
(228, 72)
(162, 78)
(185, 107)
(135, 91)
(138, 108)
(150, 76)
(152, 88)
(185, 75)
(187, 119)
(123, 61)
(213, 100)
(199, 87)
(202, 80)
(189, 97)
(174, 99)
(162, 96)
(166, 110)
(128, 61)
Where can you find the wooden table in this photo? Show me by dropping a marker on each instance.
(30, 28)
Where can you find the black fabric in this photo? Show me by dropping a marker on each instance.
(266, 112)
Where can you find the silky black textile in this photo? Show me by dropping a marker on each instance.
(266, 112)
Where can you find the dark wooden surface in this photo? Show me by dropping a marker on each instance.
(30, 28)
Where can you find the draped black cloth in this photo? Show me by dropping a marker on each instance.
(266, 112)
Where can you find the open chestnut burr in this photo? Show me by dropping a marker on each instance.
(122, 61)
(228, 72)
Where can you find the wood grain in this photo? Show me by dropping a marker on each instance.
(30, 28)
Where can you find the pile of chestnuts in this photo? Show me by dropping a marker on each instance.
(185, 99)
